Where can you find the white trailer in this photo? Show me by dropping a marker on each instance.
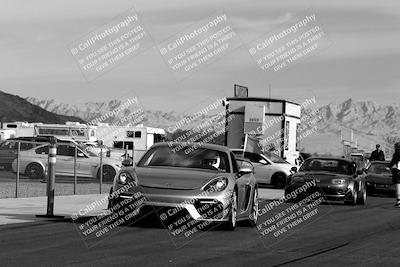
(139, 138)
(20, 128)
(75, 130)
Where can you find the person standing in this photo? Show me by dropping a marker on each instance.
(395, 167)
(377, 154)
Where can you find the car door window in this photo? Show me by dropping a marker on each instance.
(253, 157)
(71, 151)
(42, 150)
(62, 150)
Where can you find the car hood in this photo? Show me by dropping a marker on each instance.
(379, 178)
(173, 178)
(285, 166)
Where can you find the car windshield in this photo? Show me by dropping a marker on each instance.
(275, 158)
(379, 168)
(328, 165)
(185, 157)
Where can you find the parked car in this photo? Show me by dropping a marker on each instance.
(379, 178)
(170, 178)
(335, 178)
(268, 168)
(34, 163)
(9, 148)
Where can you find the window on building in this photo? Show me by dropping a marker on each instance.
(298, 137)
(286, 145)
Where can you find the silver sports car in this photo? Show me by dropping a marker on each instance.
(191, 177)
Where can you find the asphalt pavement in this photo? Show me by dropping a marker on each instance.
(338, 235)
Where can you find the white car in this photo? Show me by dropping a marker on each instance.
(268, 168)
(34, 163)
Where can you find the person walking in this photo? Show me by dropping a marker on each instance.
(377, 154)
(395, 167)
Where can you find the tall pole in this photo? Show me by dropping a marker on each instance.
(101, 165)
(17, 180)
(51, 176)
(51, 179)
(75, 177)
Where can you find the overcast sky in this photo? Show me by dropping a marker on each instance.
(362, 61)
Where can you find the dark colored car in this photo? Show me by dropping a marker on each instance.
(335, 178)
(9, 150)
(379, 177)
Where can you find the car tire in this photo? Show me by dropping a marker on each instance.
(362, 200)
(231, 224)
(254, 209)
(108, 173)
(278, 180)
(354, 198)
(34, 171)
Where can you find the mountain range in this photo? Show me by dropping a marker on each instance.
(15, 108)
(370, 121)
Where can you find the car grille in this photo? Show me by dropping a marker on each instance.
(209, 209)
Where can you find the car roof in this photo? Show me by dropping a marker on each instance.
(200, 145)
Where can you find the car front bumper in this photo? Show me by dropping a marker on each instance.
(328, 191)
(199, 205)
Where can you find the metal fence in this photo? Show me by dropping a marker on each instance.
(79, 169)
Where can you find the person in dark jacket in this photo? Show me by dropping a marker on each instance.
(395, 167)
(377, 154)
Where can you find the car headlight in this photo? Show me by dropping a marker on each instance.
(216, 185)
(338, 181)
(124, 178)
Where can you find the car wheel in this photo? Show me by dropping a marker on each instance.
(363, 198)
(108, 173)
(34, 171)
(279, 180)
(353, 199)
(231, 224)
(254, 213)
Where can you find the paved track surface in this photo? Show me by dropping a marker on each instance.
(342, 235)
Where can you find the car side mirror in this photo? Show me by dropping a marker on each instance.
(245, 170)
(263, 161)
(80, 155)
(127, 162)
(293, 169)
